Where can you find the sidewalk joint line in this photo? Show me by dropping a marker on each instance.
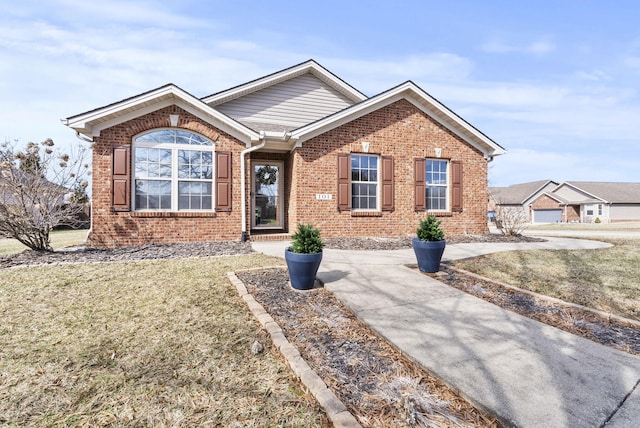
(624, 399)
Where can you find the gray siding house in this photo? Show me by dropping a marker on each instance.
(570, 202)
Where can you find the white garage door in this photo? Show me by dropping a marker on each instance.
(547, 216)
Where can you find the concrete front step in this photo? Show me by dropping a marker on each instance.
(270, 237)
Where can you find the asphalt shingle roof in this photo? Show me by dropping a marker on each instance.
(516, 194)
(617, 193)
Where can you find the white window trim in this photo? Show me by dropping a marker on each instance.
(174, 172)
(447, 186)
(378, 186)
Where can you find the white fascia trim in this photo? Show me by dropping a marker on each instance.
(415, 96)
(284, 75)
(161, 98)
(475, 136)
(83, 121)
(345, 116)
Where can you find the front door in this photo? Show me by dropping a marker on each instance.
(267, 190)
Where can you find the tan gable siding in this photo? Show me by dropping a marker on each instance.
(570, 194)
(296, 102)
(624, 212)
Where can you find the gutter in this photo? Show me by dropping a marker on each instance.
(243, 180)
(83, 138)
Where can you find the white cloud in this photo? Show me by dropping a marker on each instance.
(78, 55)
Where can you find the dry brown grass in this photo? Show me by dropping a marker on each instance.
(164, 343)
(59, 239)
(606, 279)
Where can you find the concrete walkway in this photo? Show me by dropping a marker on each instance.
(526, 373)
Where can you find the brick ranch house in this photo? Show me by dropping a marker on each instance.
(297, 146)
(547, 201)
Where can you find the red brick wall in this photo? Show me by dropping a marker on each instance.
(403, 132)
(112, 229)
(570, 213)
(573, 213)
(544, 202)
(399, 130)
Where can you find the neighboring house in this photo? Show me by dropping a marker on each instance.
(297, 146)
(520, 196)
(608, 202)
(572, 201)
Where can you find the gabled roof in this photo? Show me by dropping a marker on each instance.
(518, 194)
(608, 192)
(92, 122)
(309, 66)
(418, 97)
(555, 197)
(280, 137)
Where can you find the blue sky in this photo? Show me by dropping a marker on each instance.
(554, 82)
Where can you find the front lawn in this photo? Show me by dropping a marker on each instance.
(605, 279)
(158, 343)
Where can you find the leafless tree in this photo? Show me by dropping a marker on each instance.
(511, 221)
(40, 188)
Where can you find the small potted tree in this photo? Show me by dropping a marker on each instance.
(304, 256)
(429, 244)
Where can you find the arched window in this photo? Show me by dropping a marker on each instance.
(173, 171)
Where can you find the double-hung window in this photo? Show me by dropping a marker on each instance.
(437, 184)
(173, 171)
(364, 182)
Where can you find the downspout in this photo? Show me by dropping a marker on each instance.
(243, 185)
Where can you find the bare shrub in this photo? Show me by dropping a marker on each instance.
(40, 188)
(511, 221)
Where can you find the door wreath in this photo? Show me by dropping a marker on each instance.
(266, 175)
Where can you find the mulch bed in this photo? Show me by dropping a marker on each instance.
(618, 334)
(372, 244)
(145, 252)
(376, 382)
(379, 386)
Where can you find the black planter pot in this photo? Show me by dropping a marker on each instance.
(302, 268)
(428, 254)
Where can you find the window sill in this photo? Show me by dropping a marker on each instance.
(366, 213)
(170, 214)
(440, 213)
